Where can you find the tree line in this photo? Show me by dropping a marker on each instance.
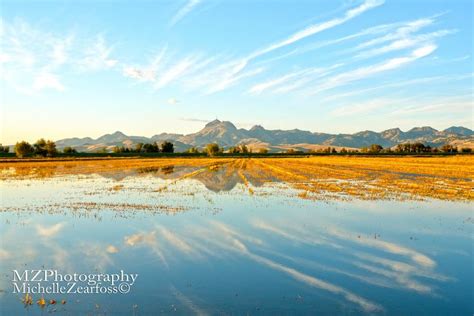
(43, 148)
(414, 148)
(47, 148)
(165, 147)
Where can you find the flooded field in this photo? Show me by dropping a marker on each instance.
(321, 235)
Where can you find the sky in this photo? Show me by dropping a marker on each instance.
(87, 68)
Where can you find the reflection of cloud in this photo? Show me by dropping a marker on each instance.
(149, 240)
(400, 278)
(230, 232)
(186, 301)
(400, 272)
(310, 240)
(49, 231)
(414, 255)
(95, 254)
(314, 282)
(174, 240)
(377, 281)
(4, 254)
(111, 249)
(231, 242)
(60, 257)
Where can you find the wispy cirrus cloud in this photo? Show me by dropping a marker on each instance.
(397, 84)
(367, 71)
(453, 104)
(403, 31)
(33, 60)
(185, 10)
(293, 80)
(319, 27)
(190, 119)
(218, 74)
(97, 56)
(404, 43)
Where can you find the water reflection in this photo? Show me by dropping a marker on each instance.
(266, 251)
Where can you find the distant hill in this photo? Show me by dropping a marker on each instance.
(227, 134)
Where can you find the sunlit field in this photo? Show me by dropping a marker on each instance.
(449, 178)
(318, 235)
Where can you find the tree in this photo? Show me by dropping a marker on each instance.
(4, 149)
(263, 151)
(463, 150)
(151, 148)
(293, 151)
(234, 150)
(40, 147)
(138, 147)
(69, 150)
(117, 149)
(51, 148)
(244, 149)
(23, 149)
(449, 148)
(343, 151)
(375, 148)
(412, 148)
(193, 150)
(212, 149)
(167, 147)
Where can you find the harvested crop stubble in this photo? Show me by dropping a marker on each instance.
(328, 177)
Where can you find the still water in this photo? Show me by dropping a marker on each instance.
(216, 247)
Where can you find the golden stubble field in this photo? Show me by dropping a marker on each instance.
(319, 178)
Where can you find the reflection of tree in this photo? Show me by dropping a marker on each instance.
(315, 178)
(167, 169)
(148, 170)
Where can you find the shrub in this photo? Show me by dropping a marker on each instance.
(212, 149)
(23, 149)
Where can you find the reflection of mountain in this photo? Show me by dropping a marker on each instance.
(226, 134)
(446, 178)
(223, 178)
(219, 179)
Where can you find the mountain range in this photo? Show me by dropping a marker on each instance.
(227, 134)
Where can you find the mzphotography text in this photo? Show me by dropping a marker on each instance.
(50, 281)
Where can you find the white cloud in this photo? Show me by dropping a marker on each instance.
(173, 101)
(459, 103)
(47, 80)
(292, 81)
(174, 72)
(403, 43)
(33, 59)
(397, 84)
(316, 28)
(361, 108)
(402, 32)
(97, 56)
(228, 74)
(364, 72)
(188, 7)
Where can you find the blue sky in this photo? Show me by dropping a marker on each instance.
(86, 68)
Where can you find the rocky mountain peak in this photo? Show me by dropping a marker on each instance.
(213, 123)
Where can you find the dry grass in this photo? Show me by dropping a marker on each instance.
(447, 178)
